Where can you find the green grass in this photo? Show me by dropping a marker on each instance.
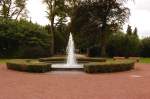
(144, 60)
(3, 61)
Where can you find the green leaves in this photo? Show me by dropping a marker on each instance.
(99, 18)
(121, 44)
(19, 37)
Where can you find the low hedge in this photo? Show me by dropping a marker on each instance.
(106, 67)
(48, 59)
(79, 59)
(29, 66)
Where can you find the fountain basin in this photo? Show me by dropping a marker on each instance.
(58, 63)
(67, 66)
(61, 66)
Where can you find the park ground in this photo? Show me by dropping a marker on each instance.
(132, 84)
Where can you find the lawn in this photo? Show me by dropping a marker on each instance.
(3, 61)
(144, 60)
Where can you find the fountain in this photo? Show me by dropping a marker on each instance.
(91, 65)
(71, 57)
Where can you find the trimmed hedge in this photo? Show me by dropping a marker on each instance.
(63, 59)
(29, 66)
(107, 67)
(52, 59)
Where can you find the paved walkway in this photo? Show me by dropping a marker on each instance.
(133, 84)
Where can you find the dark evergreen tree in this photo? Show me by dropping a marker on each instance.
(129, 30)
(135, 32)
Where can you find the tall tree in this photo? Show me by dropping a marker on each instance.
(13, 9)
(129, 30)
(57, 13)
(104, 16)
(135, 32)
(51, 7)
(72, 4)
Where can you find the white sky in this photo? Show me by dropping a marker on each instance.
(37, 12)
(140, 15)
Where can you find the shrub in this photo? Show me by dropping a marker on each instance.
(19, 38)
(106, 67)
(33, 52)
(29, 66)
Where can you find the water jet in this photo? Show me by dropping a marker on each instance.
(71, 61)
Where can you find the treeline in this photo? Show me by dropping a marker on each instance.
(95, 24)
(124, 44)
(23, 39)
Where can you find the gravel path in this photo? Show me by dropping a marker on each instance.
(133, 84)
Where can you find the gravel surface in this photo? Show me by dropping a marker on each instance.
(134, 84)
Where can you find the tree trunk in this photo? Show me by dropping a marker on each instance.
(52, 38)
(103, 45)
(103, 50)
(103, 40)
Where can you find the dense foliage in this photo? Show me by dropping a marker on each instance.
(121, 44)
(94, 23)
(98, 18)
(145, 47)
(23, 39)
(61, 38)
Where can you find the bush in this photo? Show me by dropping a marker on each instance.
(29, 67)
(145, 47)
(19, 38)
(33, 52)
(107, 67)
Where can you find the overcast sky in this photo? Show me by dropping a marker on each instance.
(140, 15)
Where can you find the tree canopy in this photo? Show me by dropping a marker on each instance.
(99, 16)
(23, 39)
